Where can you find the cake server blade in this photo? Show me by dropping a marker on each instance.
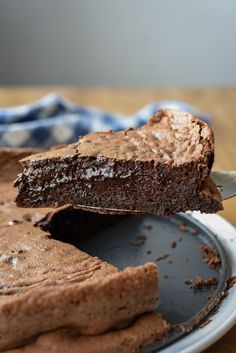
(225, 182)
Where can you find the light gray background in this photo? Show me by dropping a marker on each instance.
(118, 42)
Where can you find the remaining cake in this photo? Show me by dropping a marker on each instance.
(160, 168)
(46, 284)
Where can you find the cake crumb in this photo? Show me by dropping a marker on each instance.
(224, 295)
(199, 283)
(204, 323)
(182, 226)
(215, 310)
(231, 282)
(210, 256)
(162, 257)
(140, 240)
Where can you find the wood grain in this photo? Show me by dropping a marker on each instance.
(221, 103)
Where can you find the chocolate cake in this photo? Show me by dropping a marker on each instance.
(47, 284)
(161, 168)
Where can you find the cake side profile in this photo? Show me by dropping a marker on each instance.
(145, 330)
(161, 168)
(47, 284)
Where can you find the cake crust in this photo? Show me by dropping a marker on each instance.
(170, 137)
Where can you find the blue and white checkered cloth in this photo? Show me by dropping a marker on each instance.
(52, 120)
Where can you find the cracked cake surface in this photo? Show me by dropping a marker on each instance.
(170, 137)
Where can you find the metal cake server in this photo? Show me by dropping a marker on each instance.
(225, 182)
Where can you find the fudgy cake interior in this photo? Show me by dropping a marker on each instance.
(160, 168)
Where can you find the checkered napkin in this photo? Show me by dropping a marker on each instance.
(52, 120)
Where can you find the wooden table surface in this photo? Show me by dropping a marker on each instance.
(221, 103)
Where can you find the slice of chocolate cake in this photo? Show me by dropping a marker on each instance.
(160, 168)
(46, 284)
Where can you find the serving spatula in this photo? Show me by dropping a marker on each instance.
(225, 182)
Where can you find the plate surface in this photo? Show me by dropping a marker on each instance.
(136, 240)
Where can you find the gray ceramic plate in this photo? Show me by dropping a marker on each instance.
(179, 304)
